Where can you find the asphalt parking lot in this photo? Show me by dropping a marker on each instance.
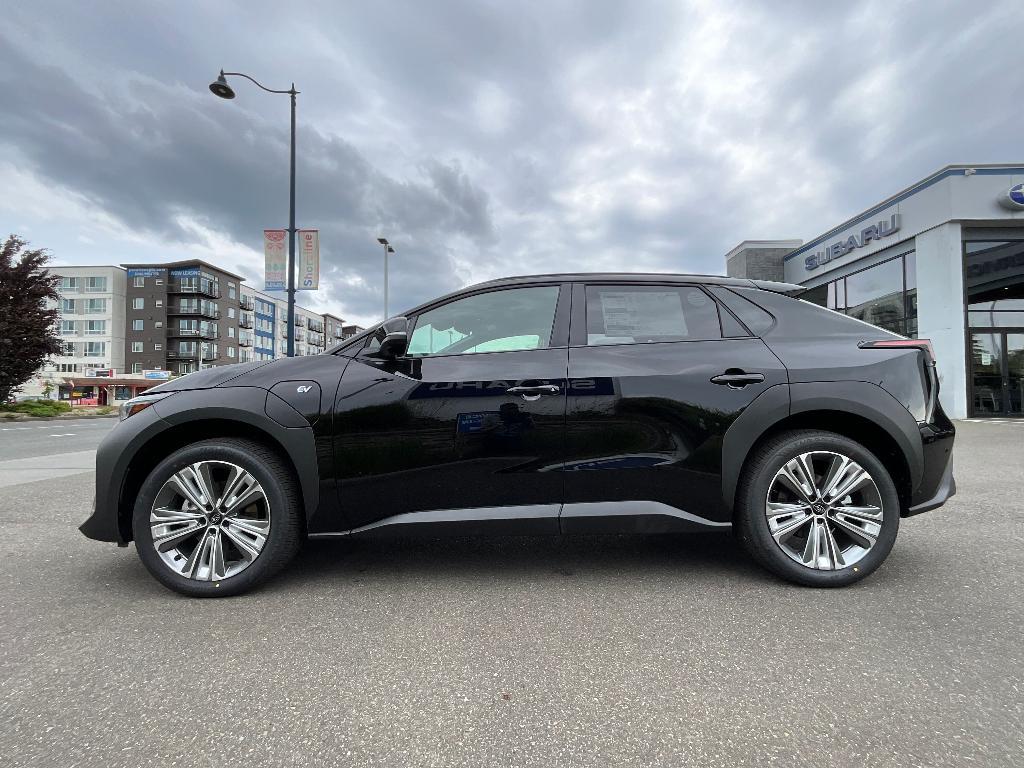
(603, 651)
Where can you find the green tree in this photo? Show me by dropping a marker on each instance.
(27, 332)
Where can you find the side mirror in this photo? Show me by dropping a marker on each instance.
(394, 339)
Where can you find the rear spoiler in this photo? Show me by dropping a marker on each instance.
(787, 289)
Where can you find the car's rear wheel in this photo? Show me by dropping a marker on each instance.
(817, 508)
(217, 518)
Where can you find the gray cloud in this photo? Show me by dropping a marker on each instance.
(489, 138)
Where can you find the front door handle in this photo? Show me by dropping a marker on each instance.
(737, 379)
(534, 393)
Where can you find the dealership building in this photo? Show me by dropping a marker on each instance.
(942, 260)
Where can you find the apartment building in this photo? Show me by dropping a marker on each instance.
(133, 321)
(91, 327)
(309, 330)
(181, 317)
(259, 312)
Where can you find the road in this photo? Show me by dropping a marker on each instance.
(38, 450)
(593, 651)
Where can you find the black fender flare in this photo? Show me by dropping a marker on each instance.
(858, 398)
(248, 406)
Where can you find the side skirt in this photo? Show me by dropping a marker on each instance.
(577, 518)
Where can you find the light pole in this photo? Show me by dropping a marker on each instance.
(387, 249)
(221, 88)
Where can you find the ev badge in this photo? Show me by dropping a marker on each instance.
(303, 389)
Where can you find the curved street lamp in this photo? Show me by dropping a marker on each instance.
(220, 88)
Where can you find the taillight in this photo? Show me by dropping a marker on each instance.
(924, 344)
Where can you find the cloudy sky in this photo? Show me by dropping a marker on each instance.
(487, 138)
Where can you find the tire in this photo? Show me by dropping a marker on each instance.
(245, 547)
(794, 544)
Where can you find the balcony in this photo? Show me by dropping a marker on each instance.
(247, 302)
(244, 342)
(206, 355)
(193, 333)
(200, 311)
(245, 321)
(204, 288)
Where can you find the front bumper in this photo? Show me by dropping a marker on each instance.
(112, 462)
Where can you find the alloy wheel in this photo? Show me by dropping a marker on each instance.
(210, 520)
(824, 510)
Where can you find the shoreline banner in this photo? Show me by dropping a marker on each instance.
(309, 259)
(275, 277)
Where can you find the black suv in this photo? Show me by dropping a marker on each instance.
(578, 403)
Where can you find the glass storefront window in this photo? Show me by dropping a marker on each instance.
(884, 294)
(818, 295)
(875, 295)
(994, 273)
(990, 319)
(910, 281)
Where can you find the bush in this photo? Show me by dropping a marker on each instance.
(37, 408)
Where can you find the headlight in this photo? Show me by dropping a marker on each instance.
(141, 403)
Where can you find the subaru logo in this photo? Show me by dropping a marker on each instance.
(1014, 198)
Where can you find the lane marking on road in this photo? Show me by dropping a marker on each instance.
(78, 424)
(64, 434)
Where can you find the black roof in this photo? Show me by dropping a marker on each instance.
(618, 277)
(638, 277)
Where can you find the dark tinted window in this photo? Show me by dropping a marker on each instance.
(731, 327)
(634, 314)
(751, 315)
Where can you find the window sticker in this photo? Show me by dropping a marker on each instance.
(643, 313)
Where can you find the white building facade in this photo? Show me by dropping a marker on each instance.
(942, 260)
(91, 327)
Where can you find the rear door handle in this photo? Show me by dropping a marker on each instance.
(534, 393)
(737, 379)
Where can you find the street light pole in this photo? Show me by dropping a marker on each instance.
(387, 249)
(221, 88)
(291, 239)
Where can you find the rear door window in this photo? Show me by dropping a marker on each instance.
(641, 314)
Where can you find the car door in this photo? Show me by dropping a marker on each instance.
(657, 373)
(468, 425)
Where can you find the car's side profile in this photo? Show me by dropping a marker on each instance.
(575, 403)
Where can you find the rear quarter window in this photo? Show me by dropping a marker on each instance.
(758, 320)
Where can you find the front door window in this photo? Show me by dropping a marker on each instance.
(499, 321)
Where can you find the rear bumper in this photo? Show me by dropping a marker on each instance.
(946, 489)
(937, 481)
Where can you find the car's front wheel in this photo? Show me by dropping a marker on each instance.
(218, 517)
(817, 508)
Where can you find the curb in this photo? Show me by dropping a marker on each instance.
(63, 417)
